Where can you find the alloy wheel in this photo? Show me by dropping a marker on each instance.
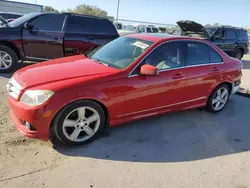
(238, 56)
(220, 98)
(81, 124)
(5, 60)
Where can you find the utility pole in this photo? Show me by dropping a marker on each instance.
(117, 13)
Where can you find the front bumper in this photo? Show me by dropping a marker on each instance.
(40, 118)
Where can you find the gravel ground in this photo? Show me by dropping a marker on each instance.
(184, 149)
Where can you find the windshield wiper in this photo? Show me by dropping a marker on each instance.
(100, 62)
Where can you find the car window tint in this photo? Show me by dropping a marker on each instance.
(166, 56)
(230, 35)
(155, 30)
(219, 34)
(100, 26)
(149, 30)
(49, 23)
(214, 56)
(198, 53)
(242, 35)
(76, 24)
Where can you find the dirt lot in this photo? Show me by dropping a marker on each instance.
(184, 149)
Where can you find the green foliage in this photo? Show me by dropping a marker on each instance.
(88, 10)
(49, 9)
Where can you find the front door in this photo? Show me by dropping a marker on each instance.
(230, 41)
(148, 95)
(219, 39)
(44, 39)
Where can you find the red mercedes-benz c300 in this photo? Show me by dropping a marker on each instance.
(132, 77)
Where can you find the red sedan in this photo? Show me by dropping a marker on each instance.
(132, 77)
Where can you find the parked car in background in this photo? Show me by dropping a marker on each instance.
(44, 36)
(146, 29)
(232, 40)
(132, 77)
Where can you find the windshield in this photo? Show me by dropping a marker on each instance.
(211, 31)
(121, 52)
(17, 22)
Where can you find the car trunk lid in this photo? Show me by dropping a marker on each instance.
(191, 28)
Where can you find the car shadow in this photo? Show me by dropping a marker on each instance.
(175, 137)
(9, 75)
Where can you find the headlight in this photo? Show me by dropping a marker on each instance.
(36, 97)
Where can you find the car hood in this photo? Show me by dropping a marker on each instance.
(192, 28)
(60, 70)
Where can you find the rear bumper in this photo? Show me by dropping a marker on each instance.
(235, 87)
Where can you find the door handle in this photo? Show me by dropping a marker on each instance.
(215, 69)
(178, 75)
(58, 40)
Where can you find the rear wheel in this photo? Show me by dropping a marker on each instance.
(238, 54)
(8, 59)
(79, 122)
(218, 99)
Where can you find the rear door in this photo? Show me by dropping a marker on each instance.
(44, 40)
(230, 41)
(204, 67)
(83, 34)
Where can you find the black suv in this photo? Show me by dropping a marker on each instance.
(232, 40)
(44, 36)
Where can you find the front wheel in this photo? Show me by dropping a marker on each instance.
(218, 99)
(79, 122)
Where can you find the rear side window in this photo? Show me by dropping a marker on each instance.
(100, 26)
(242, 35)
(49, 23)
(78, 24)
(230, 35)
(198, 54)
(214, 56)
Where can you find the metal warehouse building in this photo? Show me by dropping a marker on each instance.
(17, 7)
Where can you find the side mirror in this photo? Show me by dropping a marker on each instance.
(27, 26)
(149, 70)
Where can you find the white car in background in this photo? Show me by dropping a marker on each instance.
(146, 29)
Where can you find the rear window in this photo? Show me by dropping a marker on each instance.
(78, 24)
(242, 35)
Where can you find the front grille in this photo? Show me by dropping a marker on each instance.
(13, 88)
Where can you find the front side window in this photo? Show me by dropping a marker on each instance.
(166, 56)
(121, 52)
(230, 35)
(49, 23)
(198, 53)
(219, 34)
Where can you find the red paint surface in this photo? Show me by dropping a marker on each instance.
(126, 98)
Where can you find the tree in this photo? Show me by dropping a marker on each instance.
(88, 10)
(49, 9)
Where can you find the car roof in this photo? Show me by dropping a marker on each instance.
(157, 37)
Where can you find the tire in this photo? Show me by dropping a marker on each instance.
(79, 122)
(211, 103)
(238, 54)
(8, 59)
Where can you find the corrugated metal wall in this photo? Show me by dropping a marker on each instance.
(23, 8)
